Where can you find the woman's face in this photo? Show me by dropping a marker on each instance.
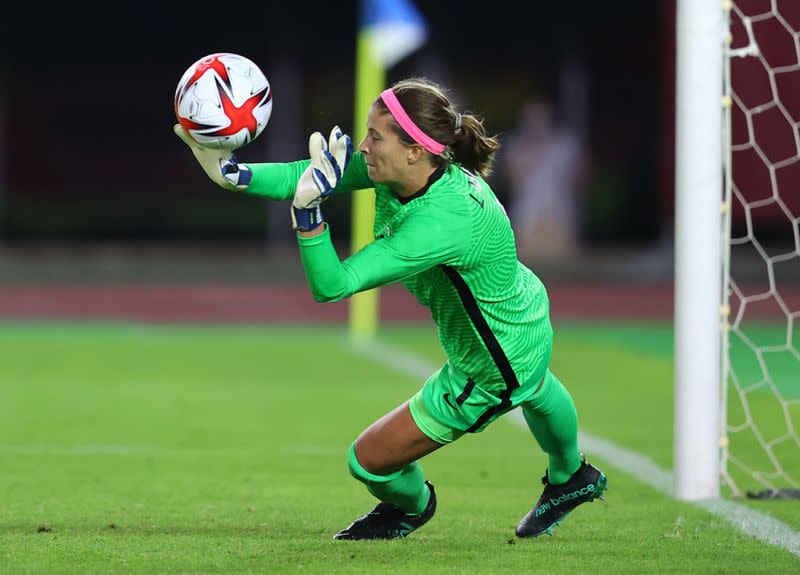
(386, 156)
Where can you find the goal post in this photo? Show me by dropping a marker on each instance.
(698, 248)
(737, 249)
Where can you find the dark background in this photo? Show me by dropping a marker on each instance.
(90, 155)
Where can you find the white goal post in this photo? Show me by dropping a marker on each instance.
(737, 249)
(698, 247)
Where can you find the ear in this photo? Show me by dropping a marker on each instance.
(415, 154)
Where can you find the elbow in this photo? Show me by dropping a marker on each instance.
(332, 289)
(321, 297)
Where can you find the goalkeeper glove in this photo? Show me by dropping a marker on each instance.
(220, 165)
(329, 160)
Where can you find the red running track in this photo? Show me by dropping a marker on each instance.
(270, 302)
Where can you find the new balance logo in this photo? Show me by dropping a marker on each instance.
(546, 506)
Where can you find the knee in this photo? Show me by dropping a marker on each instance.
(366, 468)
(363, 459)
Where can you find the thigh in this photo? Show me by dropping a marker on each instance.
(392, 442)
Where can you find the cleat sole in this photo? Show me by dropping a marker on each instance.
(602, 486)
(550, 530)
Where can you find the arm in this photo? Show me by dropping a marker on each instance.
(276, 181)
(279, 181)
(424, 240)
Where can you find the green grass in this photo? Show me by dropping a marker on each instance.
(135, 449)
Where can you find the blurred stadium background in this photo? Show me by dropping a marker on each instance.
(95, 186)
(106, 217)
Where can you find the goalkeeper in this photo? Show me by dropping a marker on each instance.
(440, 230)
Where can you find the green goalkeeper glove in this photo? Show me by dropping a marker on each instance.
(220, 165)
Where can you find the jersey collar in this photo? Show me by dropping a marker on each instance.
(421, 192)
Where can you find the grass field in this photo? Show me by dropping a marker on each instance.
(144, 449)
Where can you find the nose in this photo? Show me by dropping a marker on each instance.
(362, 147)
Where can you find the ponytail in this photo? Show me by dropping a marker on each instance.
(472, 147)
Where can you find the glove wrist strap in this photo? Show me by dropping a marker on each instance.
(237, 174)
(306, 219)
(245, 175)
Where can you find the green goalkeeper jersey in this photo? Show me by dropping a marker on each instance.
(452, 246)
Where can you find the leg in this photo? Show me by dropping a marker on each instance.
(384, 459)
(392, 442)
(569, 481)
(553, 421)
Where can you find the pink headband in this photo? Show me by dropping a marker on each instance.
(408, 124)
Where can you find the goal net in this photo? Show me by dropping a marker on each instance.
(760, 453)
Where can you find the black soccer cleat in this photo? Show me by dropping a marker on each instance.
(586, 484)
(388, 521)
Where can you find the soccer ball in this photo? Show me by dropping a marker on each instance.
(223, 101)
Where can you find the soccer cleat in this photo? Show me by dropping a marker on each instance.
(586, 484)
(388, 521)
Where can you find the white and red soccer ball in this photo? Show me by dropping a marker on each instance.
(223, 101)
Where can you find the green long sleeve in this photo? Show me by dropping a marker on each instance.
(421, 243)
(276, 181)
(328, 278)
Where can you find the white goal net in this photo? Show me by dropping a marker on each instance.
(761, 311)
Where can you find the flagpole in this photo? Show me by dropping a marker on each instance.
(388, 31)
(370, 79)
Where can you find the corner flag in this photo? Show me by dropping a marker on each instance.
(395, 29)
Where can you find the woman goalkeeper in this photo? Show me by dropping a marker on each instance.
(440, 230)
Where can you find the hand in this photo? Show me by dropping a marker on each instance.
(220, 165)
(331, 160)
(328, 163)
(305, 211)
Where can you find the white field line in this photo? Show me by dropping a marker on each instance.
(747, 520)
(163, 452)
